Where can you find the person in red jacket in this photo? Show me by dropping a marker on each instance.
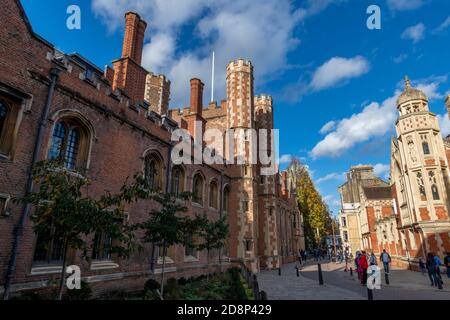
(363, 265)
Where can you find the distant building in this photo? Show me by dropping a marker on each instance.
(409, 217)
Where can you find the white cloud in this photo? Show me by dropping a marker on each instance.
(403, 5)
(328, 127)
(430, 86)
(285, 158)
(400, 58)
(381, 170)
(338, 70)
(443, 26)
(332, 176)
(375, 120)
(414, 33)
(444, 124)
(232, 29)
(159, 52)
(331, 200)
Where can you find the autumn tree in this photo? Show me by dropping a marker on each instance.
(315, 212)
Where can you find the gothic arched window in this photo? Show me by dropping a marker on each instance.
(213, 195)
(226, 199)
(434, 188)
(153, 172)
(425, 144)
(197, 188)
(69, 144)
(426, 148)
(177, 185)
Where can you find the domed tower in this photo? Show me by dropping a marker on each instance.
(424, 167)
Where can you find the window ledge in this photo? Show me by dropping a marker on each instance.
(103, 265)
(190, 259)
(45, 270)
(213, 209)
(168, 260)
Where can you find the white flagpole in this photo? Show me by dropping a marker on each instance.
(212, 76)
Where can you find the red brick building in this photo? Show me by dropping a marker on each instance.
(112, 124)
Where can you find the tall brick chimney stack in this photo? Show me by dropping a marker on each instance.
(129, 76)
(196, 124)
(197, 96)
(133, 41)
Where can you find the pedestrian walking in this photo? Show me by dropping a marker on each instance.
(373, 259)
(422, 266)
(432, 274)
(364, 265)
(438, 262)
(386, 259)
(447, 263)
(300, 257)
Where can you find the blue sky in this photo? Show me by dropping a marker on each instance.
(334, 81)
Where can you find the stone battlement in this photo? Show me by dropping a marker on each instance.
(263, 97)
(161, 77)
(239, 64)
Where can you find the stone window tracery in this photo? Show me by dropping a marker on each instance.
(434, 187)
(69, 144)
(421, 186)
(153, 172)
(177, 186)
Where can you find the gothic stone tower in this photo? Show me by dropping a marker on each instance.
(240, 118)
(267, 245)
(424, 205)
(157, 93)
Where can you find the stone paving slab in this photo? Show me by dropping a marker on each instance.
(290, 287)
(400, 278)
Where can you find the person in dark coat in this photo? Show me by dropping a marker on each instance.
(432, 273)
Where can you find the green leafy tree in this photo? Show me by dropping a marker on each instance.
(315, 212)
(212, 234)
(64, 211)
(165, 226)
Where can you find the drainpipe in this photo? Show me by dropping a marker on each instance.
(18, 230)
(221, 213)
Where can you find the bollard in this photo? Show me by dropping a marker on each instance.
(369, 294)
(263, 295)
(320, 274)
(386, 278)
(279, 271)
(256, 292)
(298, 274)
(351, 272)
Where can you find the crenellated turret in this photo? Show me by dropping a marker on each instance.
(240, 94)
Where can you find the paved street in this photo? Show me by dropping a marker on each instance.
(290, 287)
(339, 285)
